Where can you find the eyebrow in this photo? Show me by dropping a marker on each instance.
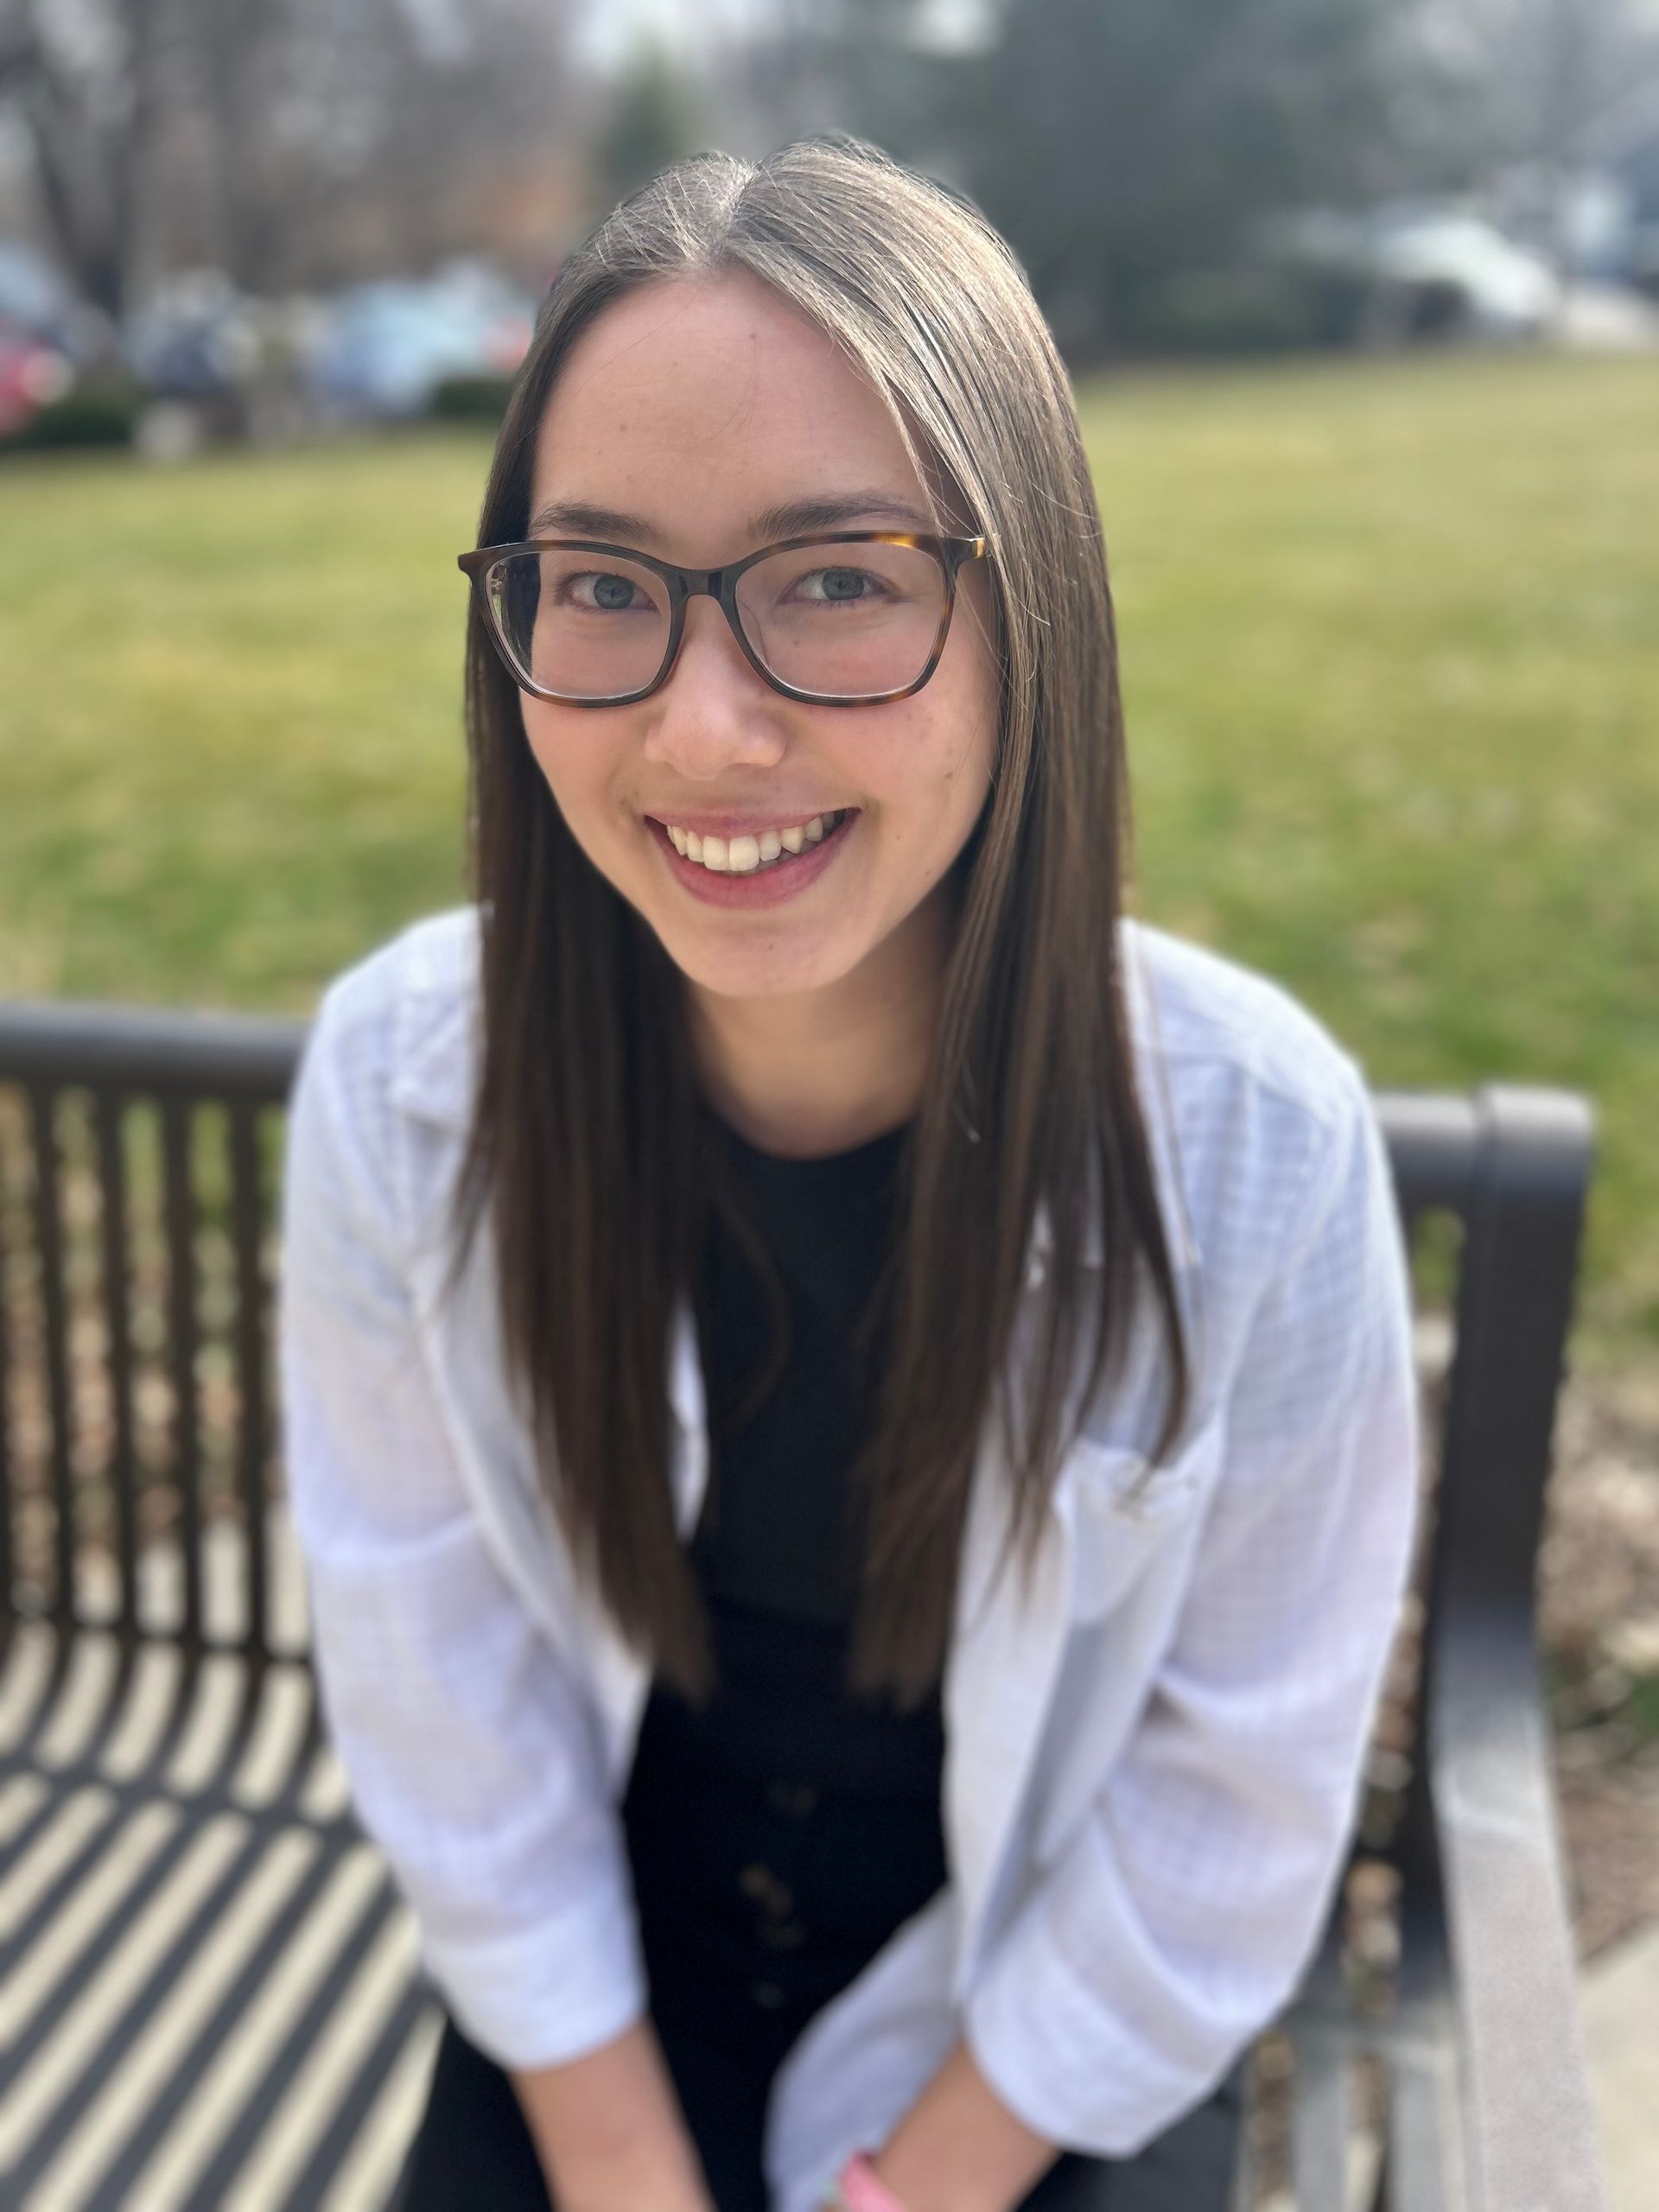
(790, 518)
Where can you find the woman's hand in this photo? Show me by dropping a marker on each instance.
(609, 2130)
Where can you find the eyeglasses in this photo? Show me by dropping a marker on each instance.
(852, 619)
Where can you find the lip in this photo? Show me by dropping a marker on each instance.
(766, 886)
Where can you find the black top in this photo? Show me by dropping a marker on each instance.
(777, 1546)
(776, 1533)
(779, 1836)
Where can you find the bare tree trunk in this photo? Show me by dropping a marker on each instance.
(89, 119)
(237, 41)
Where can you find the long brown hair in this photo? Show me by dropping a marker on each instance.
(589, 1138)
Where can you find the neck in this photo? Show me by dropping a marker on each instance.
(820, 1071)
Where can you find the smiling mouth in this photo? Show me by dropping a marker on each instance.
(747, 855)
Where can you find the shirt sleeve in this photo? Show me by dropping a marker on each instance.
(1180, 1918)
(472, 1760)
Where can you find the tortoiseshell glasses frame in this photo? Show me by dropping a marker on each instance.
(685, 585)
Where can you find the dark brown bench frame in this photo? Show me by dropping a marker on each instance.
(1476, 2031)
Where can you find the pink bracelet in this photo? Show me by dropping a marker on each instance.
(861, 2188)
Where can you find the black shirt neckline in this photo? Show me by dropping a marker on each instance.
(852, 1160)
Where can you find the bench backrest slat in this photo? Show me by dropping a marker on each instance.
(116, 1273)
(252, 1354)
(47, 1224)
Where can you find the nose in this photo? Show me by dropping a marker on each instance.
(713, 712)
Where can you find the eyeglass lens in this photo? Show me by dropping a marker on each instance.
(850, 621)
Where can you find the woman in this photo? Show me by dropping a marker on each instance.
(849, 1408)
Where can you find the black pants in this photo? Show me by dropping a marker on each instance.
(474, 2147)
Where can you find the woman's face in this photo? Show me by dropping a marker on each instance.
(683, 414)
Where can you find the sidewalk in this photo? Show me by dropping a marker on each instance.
(1620, 1998)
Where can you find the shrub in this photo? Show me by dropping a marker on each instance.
(1265, 306)
(102, 413)
(471, 399)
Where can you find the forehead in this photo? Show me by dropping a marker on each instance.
(700, 404)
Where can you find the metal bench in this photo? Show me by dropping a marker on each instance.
(210, 1989)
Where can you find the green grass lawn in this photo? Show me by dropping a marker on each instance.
(1390, 638)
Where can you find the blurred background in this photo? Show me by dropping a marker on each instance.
(1362, 299)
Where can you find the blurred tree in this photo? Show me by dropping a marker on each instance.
(289, 142)
(495, 94)
(257, 139)
(1547, 68)
(655, 119)
(865, 66)
(85, 85)
(1536, 80)
(875, 64)
(1126, 145)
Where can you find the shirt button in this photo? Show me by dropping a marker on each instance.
(795, 1797)
(766, 1994)
(763, 1885)
(782, 1935)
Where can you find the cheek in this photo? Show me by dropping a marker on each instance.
(966, 741)
(935, 800)
(970, 677)
(574, 761)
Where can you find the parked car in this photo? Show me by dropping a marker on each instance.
(191, 338)
(1479, 280)
(32, 376)
(1427, 269)
(386, 347)
(36, 302)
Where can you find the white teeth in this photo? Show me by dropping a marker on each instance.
(741, 855)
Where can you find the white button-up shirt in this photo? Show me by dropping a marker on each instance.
(1152, 1751)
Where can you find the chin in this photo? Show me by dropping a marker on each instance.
(769, 971)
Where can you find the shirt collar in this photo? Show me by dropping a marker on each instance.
(436, 1060)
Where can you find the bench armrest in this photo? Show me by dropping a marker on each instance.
(1529, 2132)
(1530, 2129)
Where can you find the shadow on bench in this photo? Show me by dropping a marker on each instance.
(211, 1988)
